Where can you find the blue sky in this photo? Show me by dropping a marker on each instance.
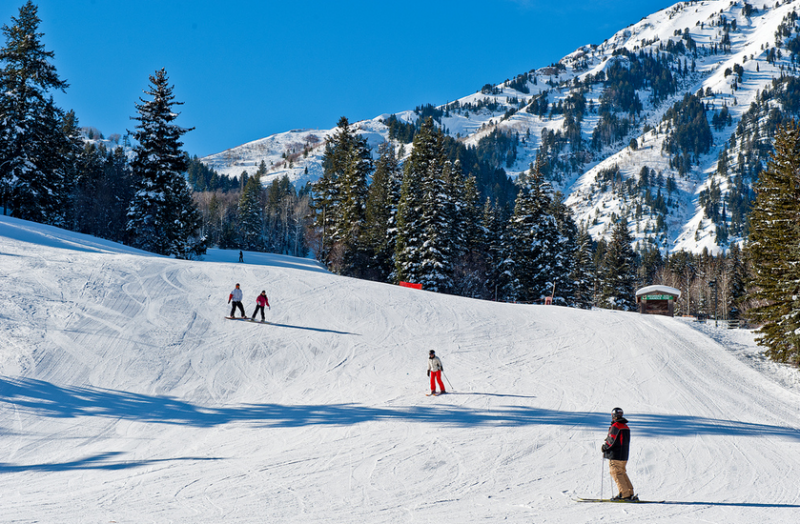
(248, 69)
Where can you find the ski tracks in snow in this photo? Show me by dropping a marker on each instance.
(166, 411)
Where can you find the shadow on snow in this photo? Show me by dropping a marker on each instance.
(100, 461)
(731, 504)
(50, 400)
(320, 330)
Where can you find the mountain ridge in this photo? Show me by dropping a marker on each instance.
(723, 51)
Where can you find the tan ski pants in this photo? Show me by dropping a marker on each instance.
(620, 476)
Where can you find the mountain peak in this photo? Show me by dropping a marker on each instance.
(604, 114)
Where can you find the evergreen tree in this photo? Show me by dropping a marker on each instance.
(161, 218)
(353, 207)
(340, 201)
(280, 197)
(738, 279)
(425, 217)
(618, 272)
(533, 260)
(71, 151)
(86, 205)
(490, 235)
(187, 239)
(508, 286)
(251, 216)
(774, 248)
(408, 239)
(116, 193)
(437, 223)
(583, 272)
(409, 231)
(472, 243)
(381, 212)
(563, 252)
(33, 165)
(650, 262)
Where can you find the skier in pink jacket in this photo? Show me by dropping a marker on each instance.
(261, 301)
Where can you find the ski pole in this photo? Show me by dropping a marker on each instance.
(448, 381)
(602, 474)
(611, 482)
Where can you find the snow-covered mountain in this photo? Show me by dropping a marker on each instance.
(725, 52)
(125, 396)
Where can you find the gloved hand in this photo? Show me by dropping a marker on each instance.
(429, 372)
(604, 447)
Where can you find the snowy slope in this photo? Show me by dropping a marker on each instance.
(126, 397)
(503, 108)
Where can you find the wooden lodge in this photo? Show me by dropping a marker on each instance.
(657, 300)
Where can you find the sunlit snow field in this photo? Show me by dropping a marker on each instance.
(127, 397)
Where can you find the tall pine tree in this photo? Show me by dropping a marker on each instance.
(162, 217)
(470, 242)
(34, 147)
(381, 213)
(774, 249)
(583, 272)
(490, 235)
(251, 216)
(618, 271)
(426, 214)
(340, 200)
(537, 258)
(563, 252)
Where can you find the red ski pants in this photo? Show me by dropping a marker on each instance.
(436, 376)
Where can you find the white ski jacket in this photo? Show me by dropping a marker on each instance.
(434, 364)
(236, 295)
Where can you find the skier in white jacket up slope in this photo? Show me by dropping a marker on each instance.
(236, 298)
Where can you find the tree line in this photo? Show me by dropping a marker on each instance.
(270, 218)
(424, 221)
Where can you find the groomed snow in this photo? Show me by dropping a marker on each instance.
(126, 397)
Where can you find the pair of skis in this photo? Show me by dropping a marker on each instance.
(620, 501)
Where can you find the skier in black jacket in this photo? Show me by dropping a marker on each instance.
(616, 448)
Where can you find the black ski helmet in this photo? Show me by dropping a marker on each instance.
(431, 353)
(616, 413)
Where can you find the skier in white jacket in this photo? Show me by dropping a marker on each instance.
(236, 298)
(435, 372)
